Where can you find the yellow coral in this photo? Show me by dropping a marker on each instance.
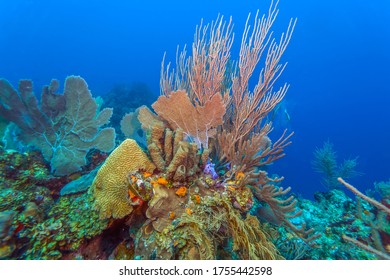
(110, 184)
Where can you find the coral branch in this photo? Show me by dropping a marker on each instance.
(373, 202)
(366, 247)
(284, 209)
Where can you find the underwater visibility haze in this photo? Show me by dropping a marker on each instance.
(177, 130)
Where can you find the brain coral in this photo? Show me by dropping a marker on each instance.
(110, 185)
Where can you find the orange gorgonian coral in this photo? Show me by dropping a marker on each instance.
(210, 72)
(198, 122)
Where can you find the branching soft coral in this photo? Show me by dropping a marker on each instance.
(284, 208)
(242, 139)
(325, 162)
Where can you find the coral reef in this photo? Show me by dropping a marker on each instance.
(196, 219)
(179, 196)
(30, 208)
(195, 187)
(19, 170)
(200, 230)
(192, 211)
(335, 215)
(378, 222)
(70, 222)
(6, 246)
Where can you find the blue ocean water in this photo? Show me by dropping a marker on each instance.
(338, 64)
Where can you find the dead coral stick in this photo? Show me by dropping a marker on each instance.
(366, 247)
(373, 202)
